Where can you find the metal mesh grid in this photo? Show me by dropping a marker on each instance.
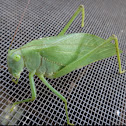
(96, 93)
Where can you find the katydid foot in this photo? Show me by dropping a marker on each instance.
(12, 108)
(15, 81)
(70, 124)
(121, 72)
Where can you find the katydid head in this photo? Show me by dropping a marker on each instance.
(15, 63)
(14, 60)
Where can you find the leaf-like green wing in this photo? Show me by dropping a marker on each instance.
(91, 49)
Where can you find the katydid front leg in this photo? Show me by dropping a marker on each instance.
(58, 94)
(33, 91)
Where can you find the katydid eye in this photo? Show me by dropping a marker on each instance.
(17, 57)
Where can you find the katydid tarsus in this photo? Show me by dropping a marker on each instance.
(56, 56)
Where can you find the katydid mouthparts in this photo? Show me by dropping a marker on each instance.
(55, 56)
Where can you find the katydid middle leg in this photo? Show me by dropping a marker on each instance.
(80, 9)
(58, 94)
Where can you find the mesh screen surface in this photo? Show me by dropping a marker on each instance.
(96, 93)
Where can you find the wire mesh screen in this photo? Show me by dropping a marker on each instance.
(96, 94)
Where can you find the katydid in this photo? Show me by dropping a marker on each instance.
(56, 56)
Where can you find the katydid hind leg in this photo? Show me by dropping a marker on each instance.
(58, 94)
(114, 37)
(118, 54)
(33, 91)
(80, 9)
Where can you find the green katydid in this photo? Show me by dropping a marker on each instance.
(56, 56)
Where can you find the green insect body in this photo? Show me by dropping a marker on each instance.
(56, 56)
